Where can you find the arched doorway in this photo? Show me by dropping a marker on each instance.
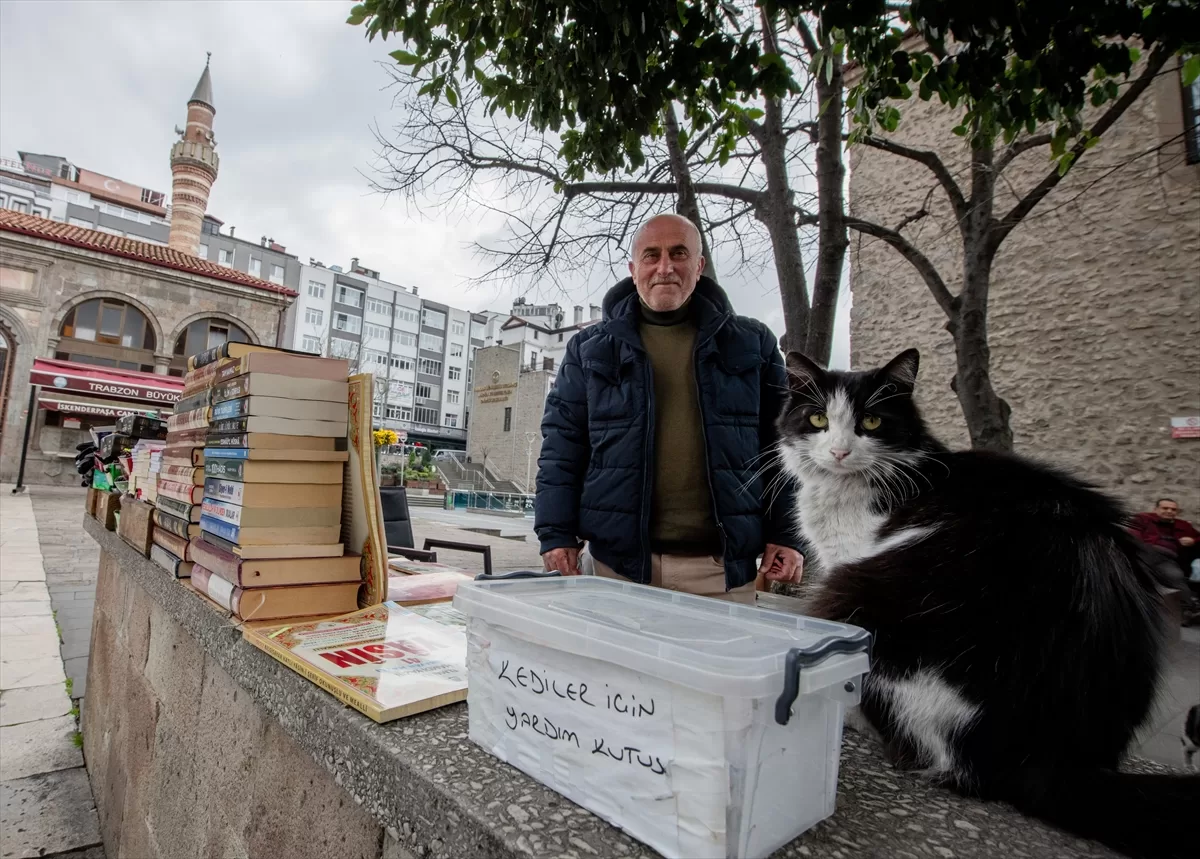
(201, 335)
(107, 332)
(8, 354)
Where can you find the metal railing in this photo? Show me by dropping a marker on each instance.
(501, 501)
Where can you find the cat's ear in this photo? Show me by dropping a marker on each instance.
(803, 372)
(903, 369)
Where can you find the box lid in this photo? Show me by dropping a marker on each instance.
(710, 645)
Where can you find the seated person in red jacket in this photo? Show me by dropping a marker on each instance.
(1167, 534)
(1164, 530)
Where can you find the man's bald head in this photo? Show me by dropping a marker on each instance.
(666, 262)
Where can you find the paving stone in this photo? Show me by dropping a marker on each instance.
(21, 569)
(31, 672)
(41, 625)
(25, 608)
(49, 814)
(34, 702)
(16, 647)
(23, 592)
(38, 747)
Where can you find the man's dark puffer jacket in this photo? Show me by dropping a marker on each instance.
(596, 470)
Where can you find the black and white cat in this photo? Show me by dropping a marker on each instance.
(1018, 636)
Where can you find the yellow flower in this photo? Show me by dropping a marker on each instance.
(385, 437)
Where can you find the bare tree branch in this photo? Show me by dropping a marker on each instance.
(1017, 147)
(923, 265)
(933, 162)
(1001, 228)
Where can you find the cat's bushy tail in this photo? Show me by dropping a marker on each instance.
(1146, 816)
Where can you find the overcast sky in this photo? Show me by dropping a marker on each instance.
(297, 91)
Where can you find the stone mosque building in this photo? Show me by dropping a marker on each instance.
(96, 321)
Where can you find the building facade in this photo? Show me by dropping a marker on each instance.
(419, 350)
(514, 372)
(98, 303)
(1094, 320)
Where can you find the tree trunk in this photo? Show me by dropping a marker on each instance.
(686, 203)
(832, 241)
(986, 413)
(775, 213)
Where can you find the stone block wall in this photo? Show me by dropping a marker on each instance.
(1095, 301)
(184, 762)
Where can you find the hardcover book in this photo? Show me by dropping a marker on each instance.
(177, 546)
(182, 474)
(269, 536)
(266, 573)
(275, 386)
(274, 494)
(272, 517)
(302, 457)
(300, 364)
(221, 434)
(385, 661)
(362, 513)
(191, 402)
(281, 407)
(279, 426)
(274, 603)
(175, 525)
(188, 420)
(231, 350)
(183, 509)
(170, 562)
(274, 472)
(187, 492)
(246, 553)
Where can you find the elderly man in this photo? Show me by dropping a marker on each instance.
(659, 435)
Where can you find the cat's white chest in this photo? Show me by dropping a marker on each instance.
(837, 520)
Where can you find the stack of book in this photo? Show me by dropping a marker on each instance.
(181, 473)
(143, 484)
(151, 489)
(271, 519)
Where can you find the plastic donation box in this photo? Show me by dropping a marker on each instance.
(700, 727)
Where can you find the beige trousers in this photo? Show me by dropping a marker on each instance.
(702, 575)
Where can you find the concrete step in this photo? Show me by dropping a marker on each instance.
(426, 501)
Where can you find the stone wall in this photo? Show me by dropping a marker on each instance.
(1095, 302)
(184, 762)
(41, 280)
(500, 384)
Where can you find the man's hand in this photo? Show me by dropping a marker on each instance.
(566, 561)
(781, 564)
(1186, 541)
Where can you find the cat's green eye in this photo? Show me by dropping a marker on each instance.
(870, 423)
(819, 420)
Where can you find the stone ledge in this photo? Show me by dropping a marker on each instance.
(437, 794)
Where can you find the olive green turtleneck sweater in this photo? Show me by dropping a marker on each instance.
(681, 520)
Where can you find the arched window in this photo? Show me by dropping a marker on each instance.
(108, 333)
(201, 335)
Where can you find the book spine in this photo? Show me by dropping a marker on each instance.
(234, 389)
(183, 492)
(178, 473)
(230, 513)
(220, 591)
(229, 426)
(176, 545)
(222, 529)
(231, 409)
(232, 368)
(217, 561)
(229, 491)
(174, 524)
(181, 509)
(226, 453)
(225, 469)
(212, 355)
(190, 403)
(227, 440)
(367, 706)
(195, 419)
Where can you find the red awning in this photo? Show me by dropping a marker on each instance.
(62, 376)
(91, 407)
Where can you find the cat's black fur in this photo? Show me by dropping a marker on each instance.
(1028, 597)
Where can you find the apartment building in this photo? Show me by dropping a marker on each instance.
(420, 351)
